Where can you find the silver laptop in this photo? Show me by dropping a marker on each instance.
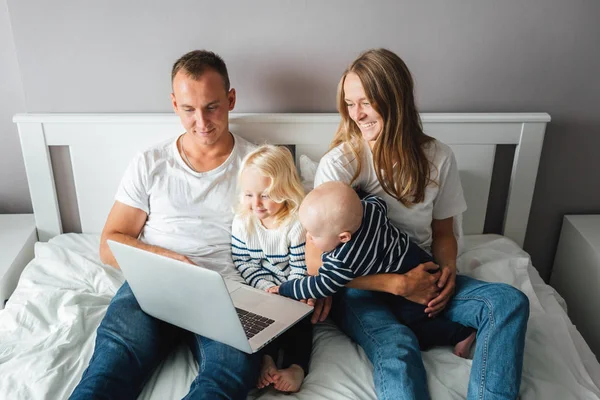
(201, 301)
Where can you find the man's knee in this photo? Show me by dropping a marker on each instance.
(219, 355)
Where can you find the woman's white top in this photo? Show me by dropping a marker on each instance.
(443, 200)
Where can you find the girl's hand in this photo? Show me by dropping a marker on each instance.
(447, 283)
(273, 289)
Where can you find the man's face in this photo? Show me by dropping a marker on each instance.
(203, 106)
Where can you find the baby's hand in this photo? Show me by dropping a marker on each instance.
(273, 289)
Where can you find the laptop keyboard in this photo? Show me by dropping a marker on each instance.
(252, 323)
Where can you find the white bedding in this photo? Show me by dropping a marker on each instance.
(47, 334)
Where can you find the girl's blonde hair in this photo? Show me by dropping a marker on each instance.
(400, 162)
(276, 163)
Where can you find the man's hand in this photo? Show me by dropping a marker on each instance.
(447, 284)
(178, 257)
(273, 289)
(322, 308)
(420, 284)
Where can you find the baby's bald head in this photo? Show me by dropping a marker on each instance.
(331, 209)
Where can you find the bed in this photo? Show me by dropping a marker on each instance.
(47, 329)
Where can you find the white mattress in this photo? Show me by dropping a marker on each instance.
(47, 333)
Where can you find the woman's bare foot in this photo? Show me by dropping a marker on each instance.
(268, 371)
(462, 349)
(289, 379)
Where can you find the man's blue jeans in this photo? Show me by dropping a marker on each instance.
(498, 311)
(130, 344)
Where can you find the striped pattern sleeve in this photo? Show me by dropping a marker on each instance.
(333, 275)
(377, 201)
(252, 272)
(297, 241)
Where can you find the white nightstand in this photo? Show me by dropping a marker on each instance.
(17, 239)
(576, 274)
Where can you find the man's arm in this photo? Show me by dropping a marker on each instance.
(124, 224)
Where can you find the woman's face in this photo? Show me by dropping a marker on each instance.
(361, 110)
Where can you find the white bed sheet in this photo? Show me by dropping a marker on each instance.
(47, 334)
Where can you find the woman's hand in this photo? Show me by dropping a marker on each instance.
(322, 308)
(447, 284)
(420, 284)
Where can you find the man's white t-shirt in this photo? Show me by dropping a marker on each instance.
(442, 200)
(188, 212)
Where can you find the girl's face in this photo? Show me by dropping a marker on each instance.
(361, 110)
(256, 198)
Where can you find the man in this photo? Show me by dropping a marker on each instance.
(176, 200)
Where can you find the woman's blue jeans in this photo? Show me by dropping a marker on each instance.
(498, 311)
(130, 344)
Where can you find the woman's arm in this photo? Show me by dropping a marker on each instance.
(313, 263)
(417, 285)
(444, 250)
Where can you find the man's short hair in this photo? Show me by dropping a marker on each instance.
(196, 62)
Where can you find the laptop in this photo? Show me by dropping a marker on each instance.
(202, 301)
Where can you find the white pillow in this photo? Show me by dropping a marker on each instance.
(308, 169)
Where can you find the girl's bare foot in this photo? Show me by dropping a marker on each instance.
(463, 348)
(268, 372)
(289, 379)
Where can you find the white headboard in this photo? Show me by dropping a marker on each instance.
(101, 146)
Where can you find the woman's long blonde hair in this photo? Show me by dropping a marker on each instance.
(276, 163)
(401, 165)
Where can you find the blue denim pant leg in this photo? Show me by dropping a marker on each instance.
(398, 369)
(129, 346)
(499, 312)
(223, 372)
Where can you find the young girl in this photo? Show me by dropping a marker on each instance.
(268, 250)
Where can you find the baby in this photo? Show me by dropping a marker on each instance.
(357, 239)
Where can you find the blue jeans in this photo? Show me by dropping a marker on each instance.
(130, 344)
(498, 311)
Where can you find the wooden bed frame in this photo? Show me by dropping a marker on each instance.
(101, 146)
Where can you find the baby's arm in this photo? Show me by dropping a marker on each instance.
(333, 275)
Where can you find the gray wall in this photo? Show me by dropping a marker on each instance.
(287, 56)
(14, 193)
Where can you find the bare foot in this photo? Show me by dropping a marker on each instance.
(463, 348)
(289, 379)
(268, 370)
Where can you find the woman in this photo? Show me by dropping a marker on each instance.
(381, 148)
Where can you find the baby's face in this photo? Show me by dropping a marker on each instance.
(325, 243)
(318, 232)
